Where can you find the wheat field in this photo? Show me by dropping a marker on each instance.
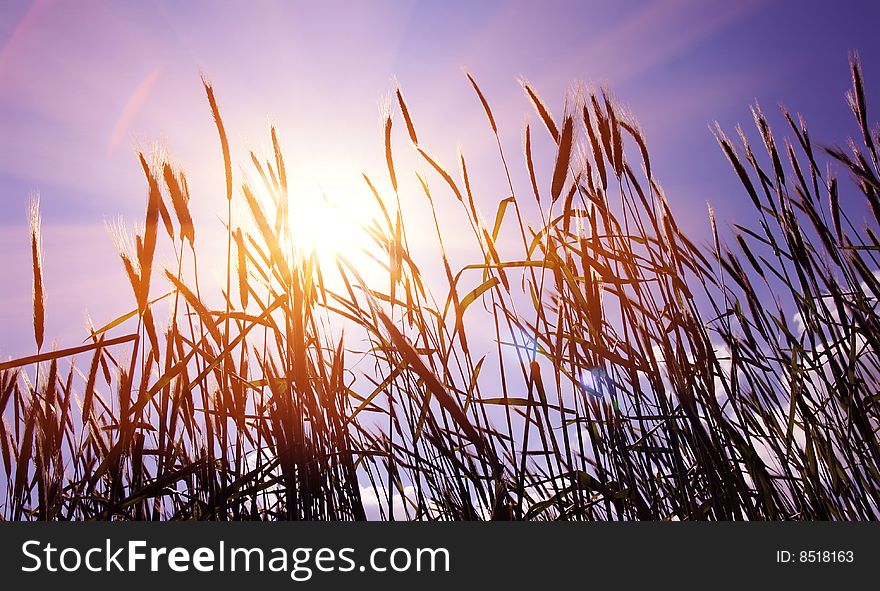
(589, 362)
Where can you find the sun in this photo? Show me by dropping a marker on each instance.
(327, 217)
(319, 225)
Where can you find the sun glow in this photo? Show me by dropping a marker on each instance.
(325, 219)
(320, 225)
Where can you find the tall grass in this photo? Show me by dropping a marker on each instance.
(632, 374)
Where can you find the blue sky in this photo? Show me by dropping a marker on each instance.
(83, 83)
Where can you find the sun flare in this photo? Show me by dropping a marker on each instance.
(320, 225)
(326, 219)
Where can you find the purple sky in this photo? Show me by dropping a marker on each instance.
(82, 83)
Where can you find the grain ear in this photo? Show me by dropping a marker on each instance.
(410, 128)
(39, 290)
(221, 131)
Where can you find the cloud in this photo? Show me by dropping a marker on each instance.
(132, 107)
(375, 501)
(663, 30)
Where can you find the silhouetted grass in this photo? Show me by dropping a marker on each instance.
(633, 374)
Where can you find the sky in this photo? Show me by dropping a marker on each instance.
(85, 84)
